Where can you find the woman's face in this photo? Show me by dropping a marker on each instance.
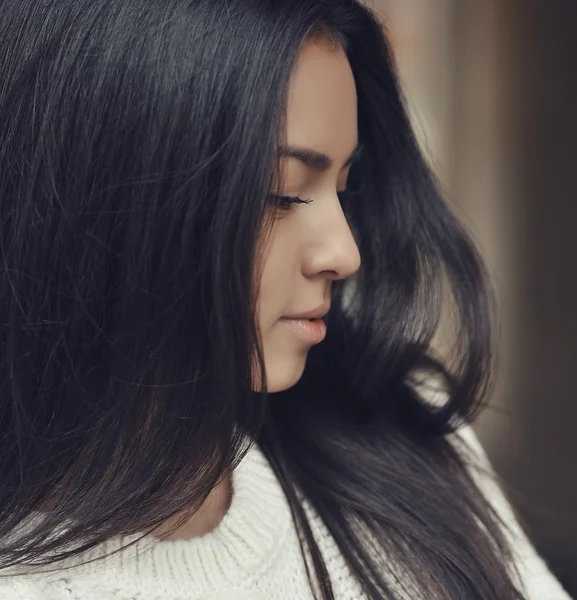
(310, 245)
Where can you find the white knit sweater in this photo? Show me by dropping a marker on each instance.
(252, 555)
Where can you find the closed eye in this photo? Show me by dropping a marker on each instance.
(287, 201)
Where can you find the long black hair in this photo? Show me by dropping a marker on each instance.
(137, 149)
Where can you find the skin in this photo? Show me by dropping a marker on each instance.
(309, 245)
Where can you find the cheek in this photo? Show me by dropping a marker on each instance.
(277, 279)
(274, 294)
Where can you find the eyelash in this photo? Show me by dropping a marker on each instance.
(286, 202)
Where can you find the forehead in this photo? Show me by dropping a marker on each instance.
(321, 108)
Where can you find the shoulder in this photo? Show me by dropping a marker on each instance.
(21, 588)
(534, 573)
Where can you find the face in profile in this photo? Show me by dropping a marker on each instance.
(310, 244)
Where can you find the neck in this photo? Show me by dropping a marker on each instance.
(206, 518)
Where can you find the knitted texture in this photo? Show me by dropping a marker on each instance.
(253, 554)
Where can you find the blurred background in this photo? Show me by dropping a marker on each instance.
(492, 90)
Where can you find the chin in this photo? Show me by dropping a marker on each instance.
(284, 374)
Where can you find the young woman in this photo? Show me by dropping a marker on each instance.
(223, 262)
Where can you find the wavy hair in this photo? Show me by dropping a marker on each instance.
(137, 149)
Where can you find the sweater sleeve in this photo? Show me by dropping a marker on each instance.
(537, 580)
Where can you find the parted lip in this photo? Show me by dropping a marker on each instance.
(315, 313)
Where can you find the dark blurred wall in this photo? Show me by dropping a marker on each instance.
(514, 167)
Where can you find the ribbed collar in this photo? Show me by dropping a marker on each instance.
(245, 542)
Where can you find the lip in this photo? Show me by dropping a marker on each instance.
(316, 313)
(311, 332)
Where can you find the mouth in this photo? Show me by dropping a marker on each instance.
(311, 330)
(302, 319)
(316, 314)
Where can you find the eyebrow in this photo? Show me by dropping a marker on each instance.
(317, 160)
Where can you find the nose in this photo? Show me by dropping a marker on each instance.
(332, 249)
